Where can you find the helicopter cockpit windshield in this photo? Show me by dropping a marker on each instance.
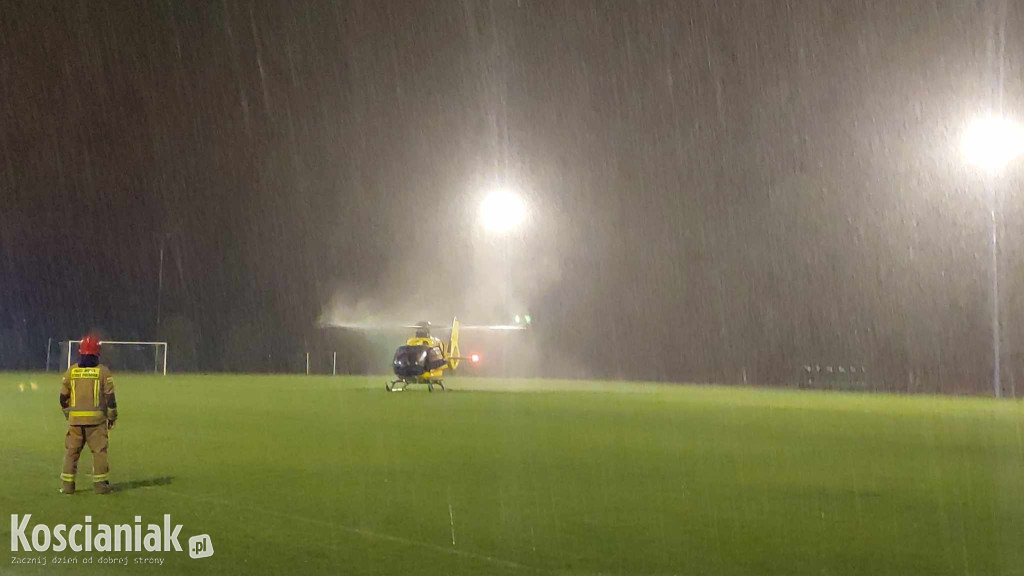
(411, 361)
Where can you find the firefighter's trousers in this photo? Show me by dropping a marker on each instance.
(76, 439)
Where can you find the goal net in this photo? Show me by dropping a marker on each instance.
(148, 357)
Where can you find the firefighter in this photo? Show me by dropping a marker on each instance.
(87, 399)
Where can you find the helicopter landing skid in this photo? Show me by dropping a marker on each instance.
(401, 385)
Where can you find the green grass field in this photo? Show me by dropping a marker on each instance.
(334, 475)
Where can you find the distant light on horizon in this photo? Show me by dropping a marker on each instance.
(993, 142)
(502, 211)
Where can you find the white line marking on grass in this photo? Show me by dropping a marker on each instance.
(451, 519)
(368, 533)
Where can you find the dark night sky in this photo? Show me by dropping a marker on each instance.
(715, 186)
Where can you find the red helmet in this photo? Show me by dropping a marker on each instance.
(90, 346)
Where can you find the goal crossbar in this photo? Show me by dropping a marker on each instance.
(126, 342)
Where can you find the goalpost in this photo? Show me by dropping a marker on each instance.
(159, 361)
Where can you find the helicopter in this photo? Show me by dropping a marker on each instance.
(424, 358)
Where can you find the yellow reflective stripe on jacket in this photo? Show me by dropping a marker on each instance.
(95, 392)
(72, 387)
(85, 413)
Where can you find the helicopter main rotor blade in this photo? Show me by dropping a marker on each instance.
(441, 328)
(364, 326)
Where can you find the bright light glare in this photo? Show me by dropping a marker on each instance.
(992, 142)
(502, 211)
(475, 358)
